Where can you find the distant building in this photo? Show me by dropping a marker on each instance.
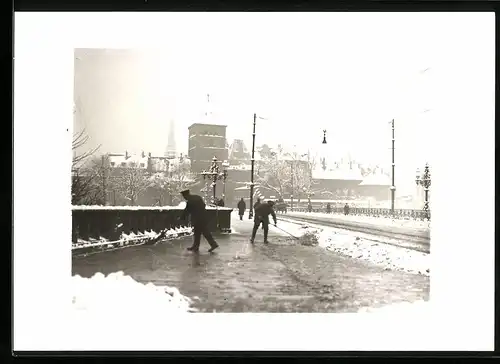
(205, 142)
(171, 150)
(238, 152)
(147, 162)
(376, 185)
(117, 163)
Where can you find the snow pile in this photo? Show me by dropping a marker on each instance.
(351, 245)
(380, 221)
(120, 295)
(388, 256)
(400, 309)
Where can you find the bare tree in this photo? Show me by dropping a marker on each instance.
(90, 182)
(275, 174)
(80, 138)
(177, 178)
(83, 176)
(131, 181)
(303, 181)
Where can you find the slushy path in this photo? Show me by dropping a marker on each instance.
(280, 277)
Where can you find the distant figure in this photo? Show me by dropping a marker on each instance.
(262, 213)
(346, 209)
(309, 207)
(328, 208)
(241, 208)
(199, 220)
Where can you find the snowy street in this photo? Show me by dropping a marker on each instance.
(284, 276)
(414, 226)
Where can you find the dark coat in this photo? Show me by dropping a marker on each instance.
(263, 211)
(195, 206)
(255, 205)
(346, 209)
(242, 207)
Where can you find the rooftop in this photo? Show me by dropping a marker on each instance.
(376, 179)
(203, 124)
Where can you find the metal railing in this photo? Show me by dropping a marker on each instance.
(401, 214)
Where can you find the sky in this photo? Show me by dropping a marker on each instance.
(348, 73)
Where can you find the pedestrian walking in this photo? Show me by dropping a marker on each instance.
(261, 216)
(346, 209)
(328, 208)
(241, 208)
(199, 220)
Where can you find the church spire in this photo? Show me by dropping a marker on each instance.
(171, 150)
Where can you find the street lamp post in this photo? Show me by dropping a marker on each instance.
(425, 182)
(252, 161)
(393, 187)
(225, 166)
(213, 175)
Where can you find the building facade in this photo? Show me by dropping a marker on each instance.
(205, 142)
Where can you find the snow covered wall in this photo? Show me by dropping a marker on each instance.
(109, 223)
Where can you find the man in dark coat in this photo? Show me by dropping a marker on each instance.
(241, 208)
(256, 204)
(199, 220)
(328, 208)
(261, 216)
(346, 209)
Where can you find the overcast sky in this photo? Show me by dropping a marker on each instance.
(348, 73)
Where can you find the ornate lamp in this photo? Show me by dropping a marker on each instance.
(213, 175)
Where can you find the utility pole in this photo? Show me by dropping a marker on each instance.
(103, 181)
(291, 184)
(250, 214)
(393, 187)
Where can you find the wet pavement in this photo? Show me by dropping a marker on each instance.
(282, 276)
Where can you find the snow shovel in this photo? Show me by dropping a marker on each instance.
(293, 236)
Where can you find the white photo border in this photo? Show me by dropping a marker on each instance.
(462, 273)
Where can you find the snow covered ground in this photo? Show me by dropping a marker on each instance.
(120, 296)
(402, 309)
(381, 221)
(354, 245)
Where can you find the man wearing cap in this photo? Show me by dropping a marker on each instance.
(199, 220)
(261, 216)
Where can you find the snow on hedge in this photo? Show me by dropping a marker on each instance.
(351, 245)
(120, 295)
(380, 221)
(420, 307)
(140, 208)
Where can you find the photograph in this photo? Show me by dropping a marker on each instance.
(268, 181)
(176, 187)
